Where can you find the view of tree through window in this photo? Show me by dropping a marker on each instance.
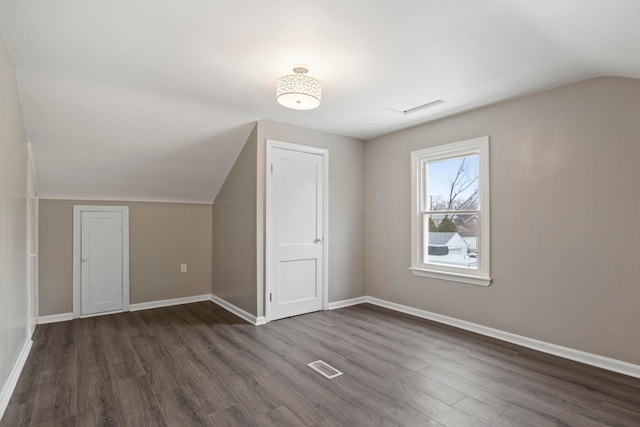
(451, 212)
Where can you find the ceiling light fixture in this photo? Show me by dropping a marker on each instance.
(299, 91)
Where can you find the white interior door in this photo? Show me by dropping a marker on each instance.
(101, 262)
(296, 233)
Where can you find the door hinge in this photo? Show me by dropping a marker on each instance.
(270, 297)
(271, 168)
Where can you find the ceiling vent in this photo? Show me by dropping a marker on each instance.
(414, 108)
(423, 106)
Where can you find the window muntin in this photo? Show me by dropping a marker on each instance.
(451, 211)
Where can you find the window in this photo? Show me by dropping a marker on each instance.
(450, 212)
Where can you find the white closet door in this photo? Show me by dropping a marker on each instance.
(296, 230)
(102, 262)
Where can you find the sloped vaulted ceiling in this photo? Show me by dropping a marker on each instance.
(153, 99)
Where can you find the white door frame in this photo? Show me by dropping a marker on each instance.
(324, 152)
(77, 261)
(32, 244)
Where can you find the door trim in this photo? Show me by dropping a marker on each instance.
(77, 262)
(324, 152)
(33, 302)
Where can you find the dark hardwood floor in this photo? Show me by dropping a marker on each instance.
(197, 364)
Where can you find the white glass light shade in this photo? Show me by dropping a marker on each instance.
(299, 92)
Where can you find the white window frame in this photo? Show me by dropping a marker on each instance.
(477, 146)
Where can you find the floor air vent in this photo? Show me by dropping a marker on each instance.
(324, 369)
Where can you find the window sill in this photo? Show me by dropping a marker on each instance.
(453, 277)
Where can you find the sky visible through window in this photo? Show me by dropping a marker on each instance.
(440, 176)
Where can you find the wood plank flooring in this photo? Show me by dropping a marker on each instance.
(198, 365)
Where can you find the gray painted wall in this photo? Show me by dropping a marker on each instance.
(161, 237)
(234, 232)
(346, 205)
(565, 203)
(13, 218)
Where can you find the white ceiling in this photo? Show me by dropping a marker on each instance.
(153, 99)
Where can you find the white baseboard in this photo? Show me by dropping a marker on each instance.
(14, 374)
(603, 362)
(168, 302)
(238, 311)
(62, 317)
(347, 303)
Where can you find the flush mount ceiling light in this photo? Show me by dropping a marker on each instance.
(299, 91)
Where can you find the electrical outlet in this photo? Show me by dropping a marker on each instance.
(183, 268)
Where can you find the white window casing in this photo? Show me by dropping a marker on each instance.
(419, 159)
